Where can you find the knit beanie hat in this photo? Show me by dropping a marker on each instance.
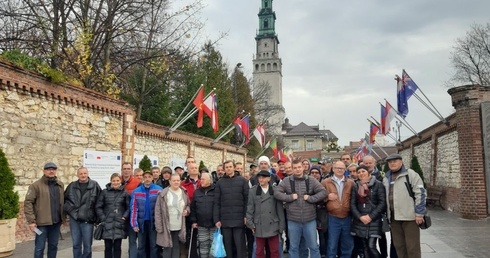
(266, 159)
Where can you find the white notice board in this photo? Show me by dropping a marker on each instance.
(101, 165)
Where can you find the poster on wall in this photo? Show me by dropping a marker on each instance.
(101, 165)
(137, 158)
(174, 162)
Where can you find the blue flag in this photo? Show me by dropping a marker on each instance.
(406, 87)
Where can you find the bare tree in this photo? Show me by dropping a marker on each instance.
(471, 57)
(264, 110)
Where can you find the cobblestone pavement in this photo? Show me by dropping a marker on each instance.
(449, 237)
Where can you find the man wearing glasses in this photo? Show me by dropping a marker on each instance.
(43, 208)
(339, 189)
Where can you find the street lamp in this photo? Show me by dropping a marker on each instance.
(398, 125)
(238, 66)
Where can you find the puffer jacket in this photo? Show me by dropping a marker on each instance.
(202, 207)
(300, 210)
(230, 201)
(374, 206)
(138, 202)
(113, 211)
(82, 208)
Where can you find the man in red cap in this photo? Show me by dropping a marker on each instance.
(281, 173)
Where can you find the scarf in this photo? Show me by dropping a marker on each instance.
(363, 190)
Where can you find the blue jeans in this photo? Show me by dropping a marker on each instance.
(50, 233)
(306, 230)
(339, 230)
(133, 247)
(147, 236)
(81, 235)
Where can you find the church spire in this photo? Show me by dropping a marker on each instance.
(267, 20)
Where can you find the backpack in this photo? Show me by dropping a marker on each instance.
(307, 182)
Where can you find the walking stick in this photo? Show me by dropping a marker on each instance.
(190, 244)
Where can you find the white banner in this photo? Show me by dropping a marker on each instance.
(101, 165)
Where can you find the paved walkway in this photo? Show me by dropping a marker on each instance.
(449, 237)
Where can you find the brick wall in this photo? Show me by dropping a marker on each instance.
(472, 194)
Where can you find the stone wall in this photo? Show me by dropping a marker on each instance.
(41, 122)
(437, 151)
(447, 150)
(424, 154)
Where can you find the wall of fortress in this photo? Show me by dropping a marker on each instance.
(41, 122)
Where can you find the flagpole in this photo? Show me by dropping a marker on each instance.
(435, 112)
(387, 133)
(406, 124)
(266, 146)
(183, 111)
(443, 119)
(189, 115)
(226, 131)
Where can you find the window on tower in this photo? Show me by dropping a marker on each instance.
(266, 4)
(266, 24)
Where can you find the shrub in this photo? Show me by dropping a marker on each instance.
(9, 200)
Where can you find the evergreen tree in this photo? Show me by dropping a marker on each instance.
(386, 168)
(201, 165)
(145, 164)
(9, 200)
(414, 164)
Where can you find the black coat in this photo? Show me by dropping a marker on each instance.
(113, 211)
(375, 207)
(231, 197)
(82, 208)
(202, 207)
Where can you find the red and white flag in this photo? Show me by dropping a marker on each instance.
(259, 134)
(210, 107)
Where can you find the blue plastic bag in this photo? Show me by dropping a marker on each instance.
(217, 247)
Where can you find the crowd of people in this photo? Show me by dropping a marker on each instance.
(331, 209)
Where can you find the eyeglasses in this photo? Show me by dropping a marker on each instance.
(338, 168)
(314, 172)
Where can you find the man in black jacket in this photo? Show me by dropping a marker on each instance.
(230, 208)
(80, 199)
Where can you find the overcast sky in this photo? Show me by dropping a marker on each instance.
(340, 57)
